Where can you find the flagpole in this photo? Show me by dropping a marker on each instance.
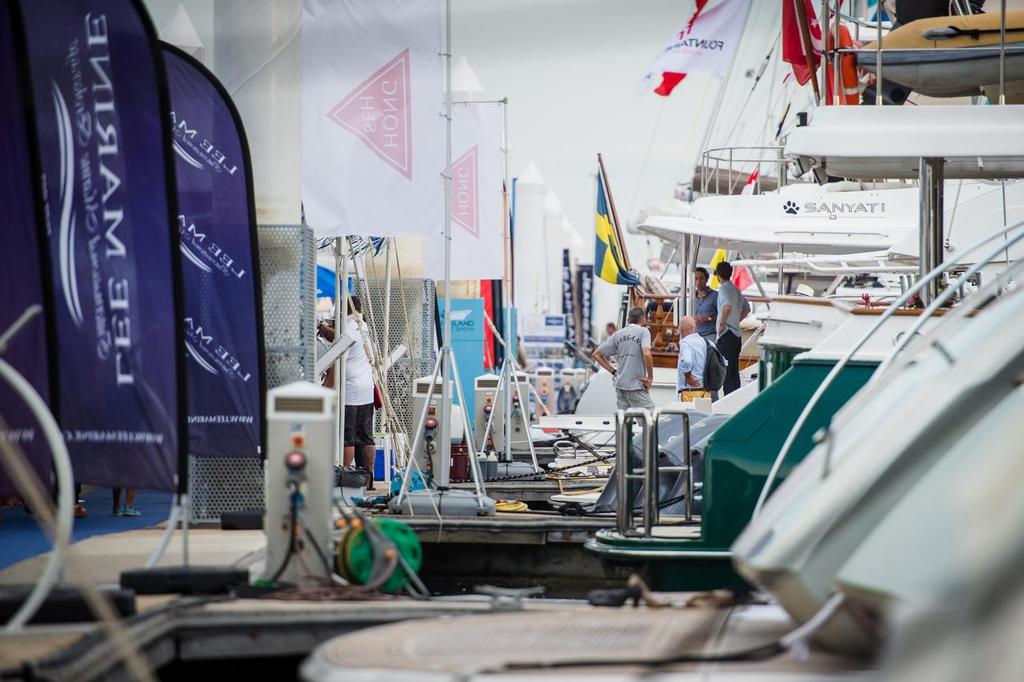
(446, 392)
(506, 291)
(615, 215)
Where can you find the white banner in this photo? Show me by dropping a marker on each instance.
(478, 163)
(372, 126)
(705, 44)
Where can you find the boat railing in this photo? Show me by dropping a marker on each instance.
(726, 170)
(650, 471)
(1005, 242)
(654, 463)
(833, 8)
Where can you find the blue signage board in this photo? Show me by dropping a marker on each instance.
(468, 342)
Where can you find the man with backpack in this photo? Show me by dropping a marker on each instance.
(701, 365)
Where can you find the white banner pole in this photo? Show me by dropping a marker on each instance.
(442, 476)
(506, 293)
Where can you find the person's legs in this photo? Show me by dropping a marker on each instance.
(729, 344)
(638, 398)
(116, 494)
(642, 398)
(129, 503)
(622, 399)
(351, 415)
(364, 439)
(80, 511)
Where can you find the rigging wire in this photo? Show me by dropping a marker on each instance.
(647, 157)
(757, 80)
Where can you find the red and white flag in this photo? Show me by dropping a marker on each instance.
(478, 163)
(741, 277)
(372, 126)
(705, 45)
(792, 43)
(751, 184)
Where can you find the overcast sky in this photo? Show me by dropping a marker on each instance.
(571, 69)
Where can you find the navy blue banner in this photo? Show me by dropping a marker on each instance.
(220, 269)
(101, 108)
(584, 290)
(568, 299)
(22, 278)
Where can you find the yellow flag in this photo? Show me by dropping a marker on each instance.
(720, 256)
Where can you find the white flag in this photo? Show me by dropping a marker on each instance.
(372, 127)
(705, 45)
(478, 163)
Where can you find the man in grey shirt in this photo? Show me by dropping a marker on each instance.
(635, 372)
(732, 308)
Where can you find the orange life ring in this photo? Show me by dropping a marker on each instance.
(849, 92)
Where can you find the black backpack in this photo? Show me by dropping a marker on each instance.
(714, 368)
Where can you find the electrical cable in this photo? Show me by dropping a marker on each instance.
(317, 549)
(294, 513)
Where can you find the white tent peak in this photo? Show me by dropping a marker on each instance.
(464, 80)
(531, 175)
(181, 32)
(551, 202)
(571, 235)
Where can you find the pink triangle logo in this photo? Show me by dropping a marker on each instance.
(465, 194)
(379, 112)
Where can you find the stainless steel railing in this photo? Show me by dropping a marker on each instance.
(653, 493)
(627, 474)
(648, 473)
(722, 168)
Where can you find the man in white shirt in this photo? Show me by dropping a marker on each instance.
(693, 356)
(358, 392)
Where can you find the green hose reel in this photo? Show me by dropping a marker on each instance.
(370, 558)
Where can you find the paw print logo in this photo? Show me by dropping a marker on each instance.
(791, 208)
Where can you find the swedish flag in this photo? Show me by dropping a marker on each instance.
(609, 260)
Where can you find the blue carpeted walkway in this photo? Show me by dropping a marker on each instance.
(21, 538)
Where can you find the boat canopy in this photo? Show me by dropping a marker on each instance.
(816, 222)
(972, 210)
(888, 142)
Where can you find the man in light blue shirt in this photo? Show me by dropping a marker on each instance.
(693, 355)
(705, 301)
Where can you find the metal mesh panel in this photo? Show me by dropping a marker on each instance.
(411, 325)
(288, 273)
(224, 484)
(288, 276)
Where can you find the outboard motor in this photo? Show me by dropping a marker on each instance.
(670, 453)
